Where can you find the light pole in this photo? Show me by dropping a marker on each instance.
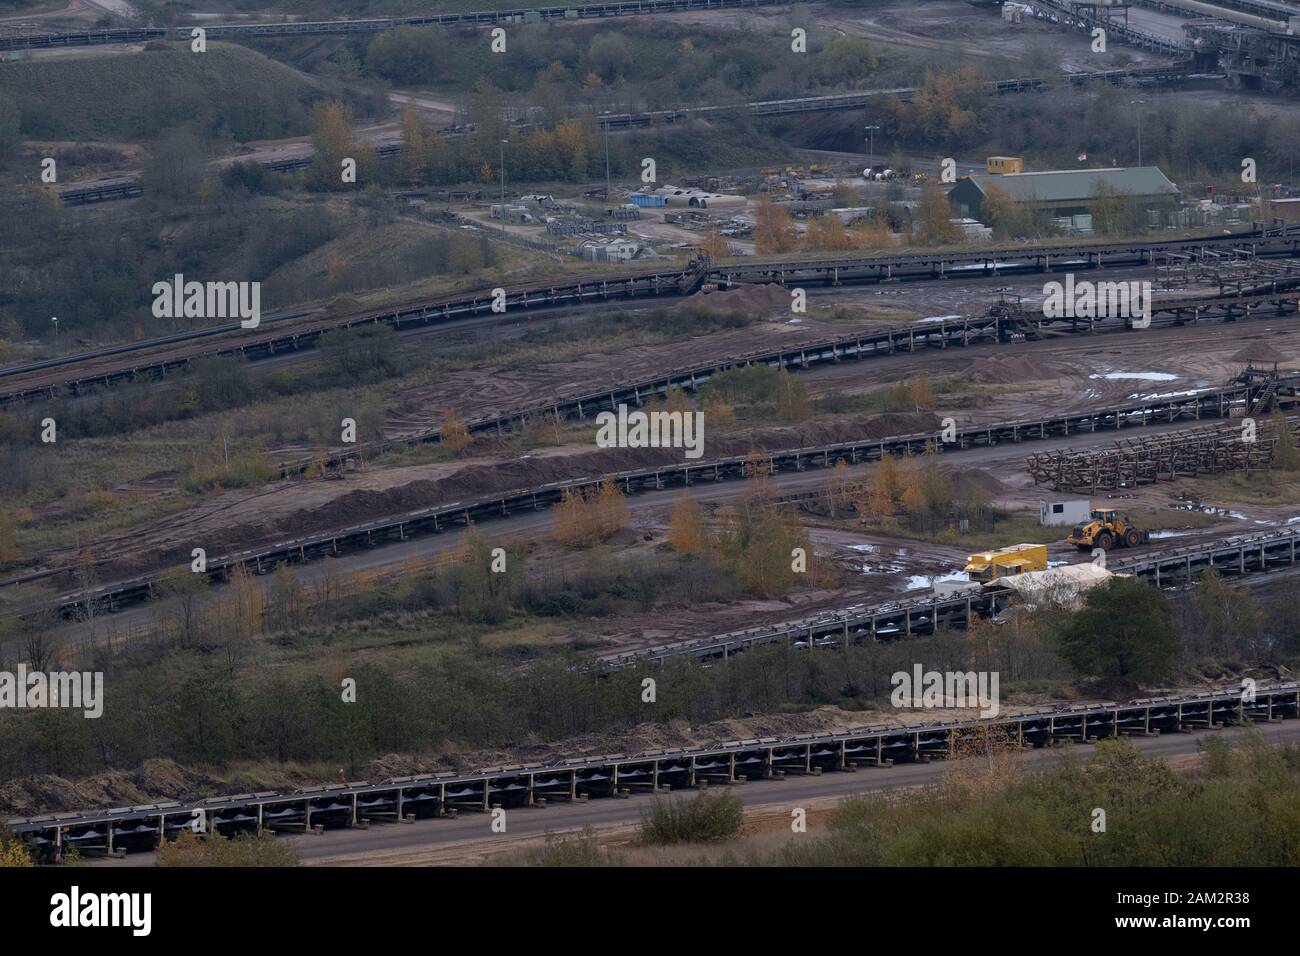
(55, 320)
(1139, 103)
(606, 162)
(503, 184)
(871, 144)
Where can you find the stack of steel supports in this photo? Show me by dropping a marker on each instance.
(1143, 461)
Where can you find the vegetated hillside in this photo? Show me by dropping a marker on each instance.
(379, 255)
(227, 91)
(660, 64)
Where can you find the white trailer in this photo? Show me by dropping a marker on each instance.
(1066, 512)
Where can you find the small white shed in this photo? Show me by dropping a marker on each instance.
(1068, 512)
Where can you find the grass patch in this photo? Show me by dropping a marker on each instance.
(1004, 529)
(1261, 488)
(579, 849)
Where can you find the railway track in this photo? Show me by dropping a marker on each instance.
(583, 777)
(74, 375)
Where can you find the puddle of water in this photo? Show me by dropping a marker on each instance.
(1143, 376)
(1168, 534)
(1224, 512)
(889, 560)
(918, 582)
(875, 549)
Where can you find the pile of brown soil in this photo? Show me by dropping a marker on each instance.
(768, 299)
(154, 781)
(1002, 369)
(968, 481)
(473, 481)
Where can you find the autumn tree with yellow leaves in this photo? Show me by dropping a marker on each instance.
(765, 547)
(686, 531)
(714, 245)
(826, 233)
(569, 519)
(792, 402)
(774, 230)
(415, 154)
(928, 497)
(335, 140)
(586, 519)
(245, 602)
(841, 490)
(872, 235)
(935, 225)
(761, 543)
(13, 852)
(611, 515)
(881, 498)
(921, 392)
(454, 431)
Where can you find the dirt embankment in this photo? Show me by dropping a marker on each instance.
(172, 538)
(160, 780)
(166, 780)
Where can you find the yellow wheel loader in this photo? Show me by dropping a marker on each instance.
(1106, 530)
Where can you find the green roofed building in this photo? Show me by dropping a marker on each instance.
(1065, 192)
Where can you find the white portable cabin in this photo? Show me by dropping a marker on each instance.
(1067, 512)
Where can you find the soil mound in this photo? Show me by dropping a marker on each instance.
(474, 481)
(750, 299)
(1008, 370)
(969, 481)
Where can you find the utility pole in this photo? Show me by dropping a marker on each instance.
(1139, 103)
(871, 144)
(503, 184)
(607, 162)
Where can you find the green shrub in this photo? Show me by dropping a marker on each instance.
(705, 818)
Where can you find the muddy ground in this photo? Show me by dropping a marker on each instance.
(238, 520)
(976, 384)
